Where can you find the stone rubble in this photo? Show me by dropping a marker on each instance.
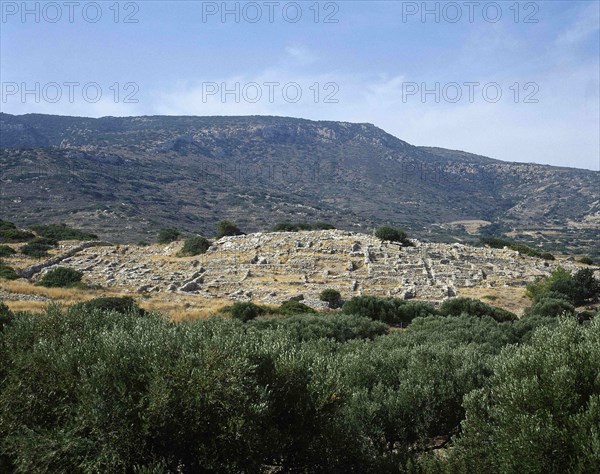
(272, 267)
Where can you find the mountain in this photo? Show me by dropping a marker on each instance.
(125, 177)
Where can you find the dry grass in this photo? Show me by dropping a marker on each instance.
(30, 306)
(510, 298)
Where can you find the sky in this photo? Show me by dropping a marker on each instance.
(516, 81)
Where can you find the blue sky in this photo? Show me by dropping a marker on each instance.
(370, 62)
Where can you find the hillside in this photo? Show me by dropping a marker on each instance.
(124, 178)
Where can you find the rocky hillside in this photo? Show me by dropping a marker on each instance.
(124, 178)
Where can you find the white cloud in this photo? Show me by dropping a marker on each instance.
(586, 24)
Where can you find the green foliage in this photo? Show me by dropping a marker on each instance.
(294, 307)
(103, 391)
(245, 311)
(540, 411)
(6, 251)
(550, 307)
(299, 226)
(7, 272)
(586, 261)
(196, 245)
(590, 286)
(123, 305)
(10, 235)
(166, 236)
(306, 327)
(6, 317)
(6, 225)
(388, 310)
(521, 248)
(61, 277)
(331, 296)
(38, 247)
(472, 307)
(62, 232)
(227, 228)
(392, 234)
(577, 289)
(542, 285)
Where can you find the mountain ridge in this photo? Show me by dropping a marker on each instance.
(190, 172)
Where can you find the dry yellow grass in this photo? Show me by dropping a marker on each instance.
(510, 298)
(30, 306)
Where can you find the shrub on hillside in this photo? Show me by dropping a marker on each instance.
(543, 284)
(586, 261)
(306, 327)
(332, 297)
(196, 245)
(590, 286)
(550, 307)
(62, 232)
(392, 234)
(294, 307)
(166, 236)
(244, 311)
(298, 226)
(15, 235)
(388, 310)
(521, 248)
(473, 307)
(38, 247)
(6, 251)
(123, 305)
(6, 317)
(227, 228)
(7, 272)
(61, 277)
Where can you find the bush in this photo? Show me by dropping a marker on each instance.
(472, 307)
(6, 251)
(306, 327)
(540, 410)
(331, 296)
(15, 235)
(294, 307)
(7, 272)
(392, 234)
(550, 307)
(227, 228)
(590, 286)
(299, 226)
(521, 248)
(388, 310)
(194, 246)
(542, 285)
(6, 317)
(166, 236)
(61, 278)
(62, 232)
(38, 247)
(586, 261)
(6, 225)
(123, 305)
(245, 311)
(571, 290)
